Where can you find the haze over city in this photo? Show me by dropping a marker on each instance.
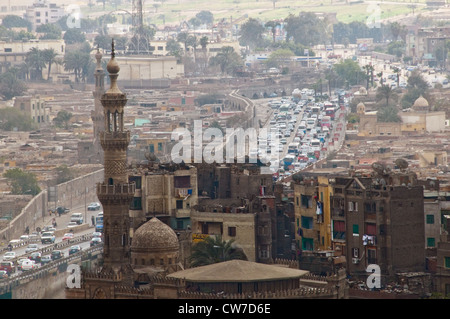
(237, 153)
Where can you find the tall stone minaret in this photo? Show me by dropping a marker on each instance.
(97, 113)
(115, 193)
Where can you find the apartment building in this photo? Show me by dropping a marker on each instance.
(34, 107)
(42, 12)
(379, 219)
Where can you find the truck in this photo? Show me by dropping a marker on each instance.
(48, 237)
(77, 217)
(99, 223)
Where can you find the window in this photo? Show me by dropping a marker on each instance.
(338, 229)
(430, 219)
(151, 148)
(306, 201)
(307, 244)
(180, 204)
(182, 181)
(371, 229)
(137, 180)
(355, 252)
(160, 147)
(355, 230)
(371, 256)
(431, 242)
(352, 206)
(136, 203)
(307, 222)
(232, 231)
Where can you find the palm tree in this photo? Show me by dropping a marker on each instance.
(49, 58)
(227, 59)
(35, 58)
(78, 62)
(213, 250)
(385, 92)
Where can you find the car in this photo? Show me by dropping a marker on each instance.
(77, 217)
(20, 261)
(28, 265)
(67, 236)
(74, 249)
(57, 254)
(95, 241)
(7, 266)
(48, 228)
(61, 210)
(31, 248)
(48, 237)
(10, 255)
(72, 224)
(46, 259)
(3, 274)
(97, 234)
(36, 256)
(94, 206)
(24, 237)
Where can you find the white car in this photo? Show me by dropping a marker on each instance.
(31, 248)
(28, 265)
(93, 206)
(10, 255)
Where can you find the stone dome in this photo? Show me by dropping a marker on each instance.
(112, 66)
(360, 108)
(421, 103)
(154, 235)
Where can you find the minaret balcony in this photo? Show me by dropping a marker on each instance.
(116, 189)
(114, 139)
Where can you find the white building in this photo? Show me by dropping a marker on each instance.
(42, 12)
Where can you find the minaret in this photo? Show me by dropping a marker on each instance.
(115, 193)
(97, 113)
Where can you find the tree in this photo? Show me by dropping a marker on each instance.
(306, 28)
(49, 56)
(214, 250)
(21, 182)
(416, 86)
(14, 21)
(74, 35)
(63, 174)
(50, 31)
(62, 119)
(174, 48)
(36, 60)
(350, 72)
(279, 58)
(78, 62)
(227, 59)
(251, 33)
(12, 118)
(205, 17)
(386, 93)
(388, 114)
(11, 86)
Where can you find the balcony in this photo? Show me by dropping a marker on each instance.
(117, 189)
(183, 192)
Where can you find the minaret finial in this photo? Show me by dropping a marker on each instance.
(113, 53)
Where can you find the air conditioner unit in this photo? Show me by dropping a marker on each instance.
(355, 261)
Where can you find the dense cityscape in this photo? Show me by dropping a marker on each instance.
(264, 150)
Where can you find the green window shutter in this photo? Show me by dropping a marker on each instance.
(355, 229)
(430, 219)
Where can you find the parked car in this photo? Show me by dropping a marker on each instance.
(95, 241)
(94, 206)
(48, 237)
(28, 265)
(31, 248)
(57, 254)
(3, 274)
(36, 256)
(7, 266)
(46, 259)
(10, 255)
(74, 249)
(67, 236)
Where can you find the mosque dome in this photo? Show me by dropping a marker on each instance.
(360, 108)
(421, 103)
(154, 235)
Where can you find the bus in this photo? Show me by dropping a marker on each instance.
(315, 144)
(288, 160)
(326, 121)
(331, 112)
(315, 110)
(99, 222)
